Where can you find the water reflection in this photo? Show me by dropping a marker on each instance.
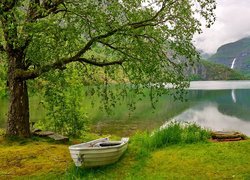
(218, 109)
(207, 115)
(233, 96)
(229, 102)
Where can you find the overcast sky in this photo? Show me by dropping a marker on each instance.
(232, 23)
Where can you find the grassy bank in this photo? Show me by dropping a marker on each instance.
(194, 161)
(40, 159)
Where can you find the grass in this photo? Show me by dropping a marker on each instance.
(193, 161)
(20, 157)
(200, 161)
(174, 133)
(148, 157)
(177, 133)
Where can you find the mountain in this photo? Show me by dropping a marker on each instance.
(203, 54)
(234, 55)
(205, 70)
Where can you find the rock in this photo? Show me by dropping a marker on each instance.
(228, 136)
(52, 135)
(33, 131)
(58, 137)
(232, 139)
(43, 133)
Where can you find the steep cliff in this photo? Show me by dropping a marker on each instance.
(234, 55)
(205, 70)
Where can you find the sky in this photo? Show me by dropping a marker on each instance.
(232, 23)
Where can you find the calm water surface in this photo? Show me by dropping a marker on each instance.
(220, 111)
(218, 105)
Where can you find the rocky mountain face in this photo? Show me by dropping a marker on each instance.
(205, 70)
(235, 55)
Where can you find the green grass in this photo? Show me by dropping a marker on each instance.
(200, 161)
(174, 133)
(188, 156)
(177, 133)
(178, 151)
(183, 161)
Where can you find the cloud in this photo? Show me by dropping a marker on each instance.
(232, 24)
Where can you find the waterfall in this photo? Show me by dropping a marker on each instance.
(233, 96)
(232, 66)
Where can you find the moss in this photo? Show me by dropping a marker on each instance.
(36, 157)
(29, 157)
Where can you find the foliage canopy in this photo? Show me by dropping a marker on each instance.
(138, 34)
(143, 41)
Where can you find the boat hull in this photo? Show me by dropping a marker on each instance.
(86, 156)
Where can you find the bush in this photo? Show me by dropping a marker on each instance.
(176, 133)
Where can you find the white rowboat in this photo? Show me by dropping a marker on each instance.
(98, 152)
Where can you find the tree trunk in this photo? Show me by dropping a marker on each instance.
(18, 114)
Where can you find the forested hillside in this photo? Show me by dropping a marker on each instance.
(205, 70)
(238, 51)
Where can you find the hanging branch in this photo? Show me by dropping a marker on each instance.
(31, 74)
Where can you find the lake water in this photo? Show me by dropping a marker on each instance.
(217, 105)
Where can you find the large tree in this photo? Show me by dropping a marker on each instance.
(142, 38)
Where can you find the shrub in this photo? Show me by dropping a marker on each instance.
(176, 133)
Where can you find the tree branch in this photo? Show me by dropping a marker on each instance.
(135, 25)
(145, 22)
(108, 34)
(60, 64)
(119, 50)
(38, 11)
(100, 64)
(93, 40)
